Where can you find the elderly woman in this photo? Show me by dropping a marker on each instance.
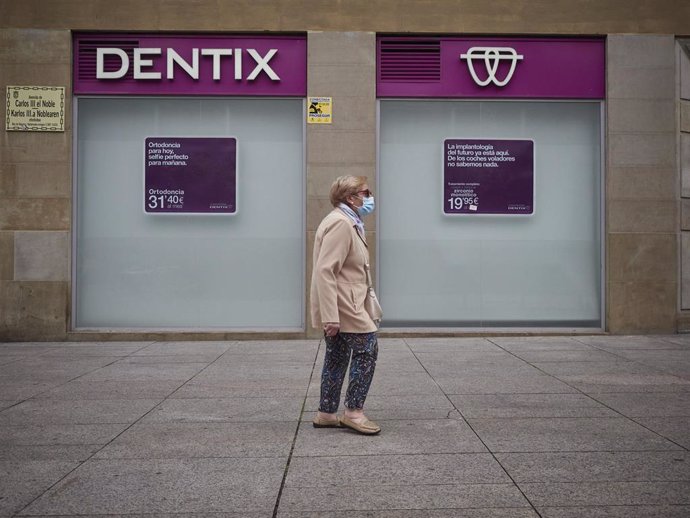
(339, 286)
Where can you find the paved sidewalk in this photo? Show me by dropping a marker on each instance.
(557, 427)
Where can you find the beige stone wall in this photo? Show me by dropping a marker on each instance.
(341, 65)
(642, 193)
(645, 149)
(684, 160)
(35, 195)
(432, 16)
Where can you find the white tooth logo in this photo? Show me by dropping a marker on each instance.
(492, 56)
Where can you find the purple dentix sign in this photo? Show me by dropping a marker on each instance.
(188, 64)
(488, 176)
(514, 68)
(190, 175)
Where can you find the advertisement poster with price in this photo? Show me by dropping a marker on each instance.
(482, 176)
(190, 175)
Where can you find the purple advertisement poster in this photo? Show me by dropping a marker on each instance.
(488, 176)
(190, 175)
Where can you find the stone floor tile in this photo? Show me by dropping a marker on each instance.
(597, 466)
(606, 493)
(86, 349)
(243, 514)
(42, 368)
(403, 497)
(263, 371)
(174, 358)
(677, 368)
(613, 342)
(495, 512)
(59, 434)
(184, 349)
(629, 383)
(621, 376)
(442, 366)
(7, 359)
(299, 358)
(26, 348)
(59, 452)
(621, 511)
(222, 388)
(650, 356)
(676, 429)
(458, 356)
(44, 411)
(680, 339)
(451, 345)
(23, 481)
(147, 372)
(391, 470)
(232, 409)
(389, 344)
(539, 343)
(165, 486)
(579, 355)
(506, 384)
(616, 367)
(571, 434)
(100, 390)
(529, 405)
(202, 440)
(664, 404)
(7, 403)
(21, 389)
(396, 437)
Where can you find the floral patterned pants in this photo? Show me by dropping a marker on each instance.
(364, 349)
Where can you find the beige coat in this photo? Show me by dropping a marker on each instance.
(339, 280)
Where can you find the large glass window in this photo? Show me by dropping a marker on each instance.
(538, 270)
(135, 270)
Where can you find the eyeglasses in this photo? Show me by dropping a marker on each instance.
(366, 192)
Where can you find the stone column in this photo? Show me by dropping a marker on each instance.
(642, 184)
(35, 192)
(341, 65)
(684, 103)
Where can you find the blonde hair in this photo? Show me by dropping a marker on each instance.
(345, 186)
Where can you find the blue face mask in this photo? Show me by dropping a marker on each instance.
(367, 206)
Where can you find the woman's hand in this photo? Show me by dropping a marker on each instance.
(331, 328)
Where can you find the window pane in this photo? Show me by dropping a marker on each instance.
(139, 270)
(539, 270)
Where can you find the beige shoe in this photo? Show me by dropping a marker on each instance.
(366, 427)
(319, 422)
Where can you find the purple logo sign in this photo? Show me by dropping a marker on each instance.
(190, 64)
(488, 176)
(190, 175)
(490, 68)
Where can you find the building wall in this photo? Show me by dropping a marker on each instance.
(35, 195)
(642, 184)
(683, 51)
(644, 137)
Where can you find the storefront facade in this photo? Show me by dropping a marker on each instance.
(529, 172)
